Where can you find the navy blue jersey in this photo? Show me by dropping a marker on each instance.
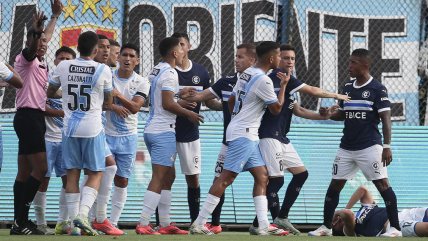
(223, 89)
(196, 76)
(277, 126)
(362, 114)
(370, 220)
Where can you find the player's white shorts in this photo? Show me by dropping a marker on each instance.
(190, 157)
(409, 218)
(54, 159)
(369, 160)
(279, 156)
(124, 150)
(220, 160)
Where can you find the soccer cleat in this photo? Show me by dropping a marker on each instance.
(273, 230)
(106, 227)
(46, 230)
(284, 223)
(62, 228)
(213, 229)
(25, 228)
(75, 232)
(145, 230)
(253, 230)
(392, 233)
(171, 229)
(85, 226)
(199, 229)
(321, 231)
(116, 226)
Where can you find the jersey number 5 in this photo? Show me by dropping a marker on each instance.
(73, 90)
(238, 104)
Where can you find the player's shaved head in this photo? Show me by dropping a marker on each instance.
(265, 48)
(87, 43)
(250, 50)
(167, 45)
(364, 55)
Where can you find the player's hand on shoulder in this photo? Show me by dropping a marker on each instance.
(120, 111)
(195, 118)
(386, 156)
(284, 77)
(343, 97)
(187, 92)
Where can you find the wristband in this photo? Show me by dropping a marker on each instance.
(386, 146)
(54, 16)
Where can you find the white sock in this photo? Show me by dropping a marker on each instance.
(209, 205)
(88, 197)
(261, 204)
(151, 201)
(63, 209)
(39, 203)
(164, 208)
(82, 185)
(93, 212)
(118, 200)
(73, 200)
(104, 192)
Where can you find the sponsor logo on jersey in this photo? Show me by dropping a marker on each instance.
(155, 72)
(81, 69)
(384, 98)
(366, 94)
(196, 79)
(245, 76)
(363, 215)
(356, 115)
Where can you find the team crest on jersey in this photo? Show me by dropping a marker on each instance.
(245, 77)
(375, 165)
(196, 79)
(132, 90)
(366, 94)
(155, 72)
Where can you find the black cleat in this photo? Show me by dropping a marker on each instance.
(25, 228)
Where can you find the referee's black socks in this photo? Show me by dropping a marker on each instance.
(30, 190)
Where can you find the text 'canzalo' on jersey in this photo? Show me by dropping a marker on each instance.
(362, 114)
(253, 91)
(195, 76)
(277, 126)
(83, 84)
(134, 86)
(222, 89)
(162, 77)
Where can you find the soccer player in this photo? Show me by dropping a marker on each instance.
(277, 151)
(252, 92)
(361, 144)
(29, 121)
(114, 53)
(372, 220)
(245, 57)
(53, 138)
(87, 89)
(159, 133)
(130, 91)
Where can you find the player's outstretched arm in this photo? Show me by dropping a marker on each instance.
(362, 194)
(170, 105)
(190, 94)
(133, 105)
(320, 93)
(348, 218)
(52, 91)
(336, 116)
(307, 114)
(53, 112)
(56, 7)
(16, 80)
(385, 116)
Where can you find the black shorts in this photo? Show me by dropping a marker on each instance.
(30, 127)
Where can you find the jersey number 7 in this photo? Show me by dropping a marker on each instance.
(73, 90)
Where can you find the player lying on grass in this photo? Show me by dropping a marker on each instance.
(371, 220)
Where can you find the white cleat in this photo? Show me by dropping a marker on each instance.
(272, 230)
(321, 231)
(392, 233)
(45, 229)
(284, 223)
(199, 229)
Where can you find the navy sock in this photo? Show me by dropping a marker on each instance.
(193, 197)
(18, 191)
(30, 190)
(256, 222)
(215, 216)
(330, 204)
(272, 190)
(157, 216)
(390, 200)
(292, 193)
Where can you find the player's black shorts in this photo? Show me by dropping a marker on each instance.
(30, 127)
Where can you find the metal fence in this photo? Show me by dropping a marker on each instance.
(324, 33)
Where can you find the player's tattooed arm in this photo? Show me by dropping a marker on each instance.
(214, 105)
(108, 100)
(320, 93)
(385, 116)
(52, 92)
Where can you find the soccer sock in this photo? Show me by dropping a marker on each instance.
(272, 190)
(88, 198)
(330, 204)
(207, 208)
(118, 200)
(390, 200)
(104, 192)
(260, 202)
(18, 191)
(39, 204)
(82, 185)
(151, 201)
(193, 198)
(73, 201)
(164, 208)
(293, 191)
(215, 216)
(63, 209)
(30, 190)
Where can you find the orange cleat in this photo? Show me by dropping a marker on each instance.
(145, 230)
(171, 229)
(213, 229)
(106, 227)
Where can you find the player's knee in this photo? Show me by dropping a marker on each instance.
(337, 184)
(121, 182)
(381, 184)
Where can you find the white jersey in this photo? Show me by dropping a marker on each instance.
(162, 77)
(83, 85)
(54, 124)
(130, 88)
(5, 73)
(253, 91)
